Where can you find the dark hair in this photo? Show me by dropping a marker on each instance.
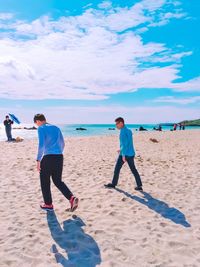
(120, 119)
(39, 117)
(7, 116)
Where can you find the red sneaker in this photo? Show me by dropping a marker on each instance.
(74, 203)
(46, 207)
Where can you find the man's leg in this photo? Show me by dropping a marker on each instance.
(131, 164)
(57, 164)
(7, 134)
(118, 167)
(45, 182)
(10, 133)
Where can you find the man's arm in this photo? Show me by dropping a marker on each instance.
(62, 142)
(41, 144)
(124, 145)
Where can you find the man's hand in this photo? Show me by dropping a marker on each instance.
(38, 166)
(124, 159)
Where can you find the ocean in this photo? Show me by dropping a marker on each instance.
(70, 130)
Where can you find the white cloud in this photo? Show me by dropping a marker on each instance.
(6, 16)
(84, 57)
(176, 100)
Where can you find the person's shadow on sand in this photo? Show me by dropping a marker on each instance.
(81, 249)
(160, 207)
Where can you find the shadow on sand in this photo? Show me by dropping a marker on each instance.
(159, 206)
(81, 249)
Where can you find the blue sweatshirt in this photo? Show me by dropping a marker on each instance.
(126, 142)
(51, 141)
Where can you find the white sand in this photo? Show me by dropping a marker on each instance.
(121, 229)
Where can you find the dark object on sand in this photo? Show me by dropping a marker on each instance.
(111, 129)
(159, 128)
(154, 140)
(31, 128)
(142, 128)
(81, 129)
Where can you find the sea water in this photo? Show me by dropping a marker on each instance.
(91, 130)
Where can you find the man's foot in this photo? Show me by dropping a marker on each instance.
(138, 188)
(109, 185)
(46, 207)
(74, 203)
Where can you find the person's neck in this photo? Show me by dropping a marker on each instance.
(44, 122)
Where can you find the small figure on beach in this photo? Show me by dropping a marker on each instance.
(182, 126)
(8, 127)
(159, 128)
(175, 127)
(126, 154)
(50, 162)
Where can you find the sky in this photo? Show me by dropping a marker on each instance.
(92, 61)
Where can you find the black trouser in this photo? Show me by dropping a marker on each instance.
(52, 166)
(131, 164)
(8, 133)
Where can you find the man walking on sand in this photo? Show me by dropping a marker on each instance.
(50, 162)
(126, 154)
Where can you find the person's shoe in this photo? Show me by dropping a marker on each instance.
(74, 203)
(46, 207)
(138, 188)
(109, 185)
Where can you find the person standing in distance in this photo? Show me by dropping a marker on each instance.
(126, 154)
(8, 127)
(50, 162)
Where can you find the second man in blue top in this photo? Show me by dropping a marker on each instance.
(126, 154)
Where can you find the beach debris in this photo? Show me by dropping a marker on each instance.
(141, 129)
(19, 139)
(154, 140)
(80, 129)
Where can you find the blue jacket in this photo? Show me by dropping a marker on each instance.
(51, 141)
(126, 142)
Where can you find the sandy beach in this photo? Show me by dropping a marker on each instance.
(112, 228)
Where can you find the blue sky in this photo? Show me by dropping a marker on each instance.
(88, 62)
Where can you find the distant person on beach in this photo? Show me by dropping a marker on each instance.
(158, 129)
(8, 127)
(175, 127)
(126, 154)
(50, 162)
(183, 126)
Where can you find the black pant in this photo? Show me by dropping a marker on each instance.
(52, 166)
(8, 133)
(131, 164)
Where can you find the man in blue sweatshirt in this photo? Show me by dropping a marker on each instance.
(50, 162)
(126, 154)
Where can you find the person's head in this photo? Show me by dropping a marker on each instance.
(7, 117)
(39, 119)
(119, 123)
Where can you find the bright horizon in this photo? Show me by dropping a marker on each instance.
(88, 63)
